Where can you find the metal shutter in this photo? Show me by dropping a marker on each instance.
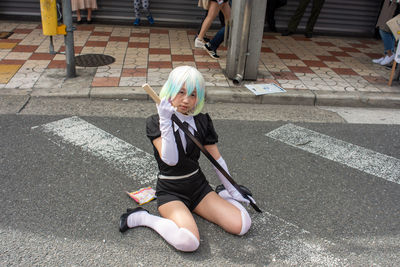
(337, 16)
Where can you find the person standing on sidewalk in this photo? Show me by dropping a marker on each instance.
(214, 7)
(89, 5)
(221, 19)
(182, 187)
(388, 11)
(298, 14)
(212, 45)
(145, 5)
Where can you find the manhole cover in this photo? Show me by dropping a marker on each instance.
(93, 60)
(5, 35)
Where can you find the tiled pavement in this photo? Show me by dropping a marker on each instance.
(147, 54)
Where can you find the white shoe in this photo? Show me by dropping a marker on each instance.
(199, 43)
(378, 60)
(387, 60)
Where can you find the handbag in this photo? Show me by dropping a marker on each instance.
(203, 4)
(394, 26)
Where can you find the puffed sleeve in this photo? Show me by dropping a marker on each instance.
(211, 136)
(153, 127)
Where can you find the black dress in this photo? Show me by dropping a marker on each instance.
(190, 190)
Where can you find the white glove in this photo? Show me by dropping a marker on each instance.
(228, 186)
(169, 150)
(165, 109)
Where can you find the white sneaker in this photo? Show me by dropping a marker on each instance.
(387, 60)
(199, 43)
(378, 60)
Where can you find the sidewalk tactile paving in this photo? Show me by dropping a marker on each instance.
(7, 72)
(148, 54)
(7, 45)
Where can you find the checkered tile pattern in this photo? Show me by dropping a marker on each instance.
(147, 54)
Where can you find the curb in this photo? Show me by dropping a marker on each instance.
(217, 94)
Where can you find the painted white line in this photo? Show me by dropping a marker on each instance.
(354, 156)
(295, 246)
(135, 162)
(367, 115)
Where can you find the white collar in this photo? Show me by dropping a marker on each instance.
(188, 118)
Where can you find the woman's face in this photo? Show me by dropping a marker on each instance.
(183, 102)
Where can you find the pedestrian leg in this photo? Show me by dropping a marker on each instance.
(315, 11)
(298, 14)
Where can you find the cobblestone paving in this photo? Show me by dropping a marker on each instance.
(147, 54)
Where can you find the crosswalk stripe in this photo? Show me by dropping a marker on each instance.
(133, 161)
(354, 156)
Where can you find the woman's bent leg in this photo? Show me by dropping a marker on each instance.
(227, 213)
(178, 227)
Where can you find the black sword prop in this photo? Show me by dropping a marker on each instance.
(175, 119)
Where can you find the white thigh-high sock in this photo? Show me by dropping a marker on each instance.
(180, 238)
(246, 220)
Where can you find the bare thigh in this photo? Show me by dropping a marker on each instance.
(219, 211)
(226, 10)
(180, 214)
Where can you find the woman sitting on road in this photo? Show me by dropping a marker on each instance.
(181, 186)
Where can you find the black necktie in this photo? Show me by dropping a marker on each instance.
(189, 142)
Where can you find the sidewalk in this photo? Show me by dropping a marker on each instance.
(323, 70)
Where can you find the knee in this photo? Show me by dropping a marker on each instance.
(188, 242)
(246, 222)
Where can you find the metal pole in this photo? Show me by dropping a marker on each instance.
(69, 38)
(256, 36)
(244, 44)
(235, 26)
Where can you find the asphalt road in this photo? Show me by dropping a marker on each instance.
(60, 204)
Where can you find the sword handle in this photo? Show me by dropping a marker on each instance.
(151, 93)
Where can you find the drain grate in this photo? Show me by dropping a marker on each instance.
(5, 35)
(93, 60)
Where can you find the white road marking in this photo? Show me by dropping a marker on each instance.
(296, 245)
(133, 161)
(367, 115)
(354, 156)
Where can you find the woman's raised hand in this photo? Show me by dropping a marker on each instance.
(165, 109)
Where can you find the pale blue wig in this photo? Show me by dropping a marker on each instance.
(189, 76)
